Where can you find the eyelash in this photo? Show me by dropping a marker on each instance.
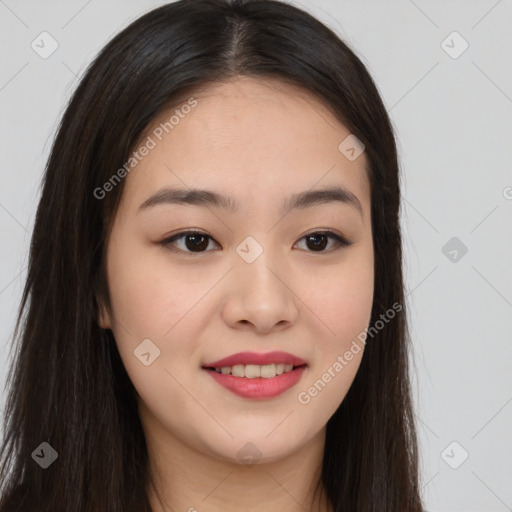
(340, 241)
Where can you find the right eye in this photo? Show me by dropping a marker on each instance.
(194, 242)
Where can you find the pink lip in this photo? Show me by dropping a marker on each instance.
(259, 387)
(259, 359)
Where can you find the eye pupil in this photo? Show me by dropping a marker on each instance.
(196, 245)
(316, 237)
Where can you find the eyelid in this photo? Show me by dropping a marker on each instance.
(341, 241)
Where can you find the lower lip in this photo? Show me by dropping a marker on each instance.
(259, 387)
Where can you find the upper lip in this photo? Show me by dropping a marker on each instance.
(257, 358)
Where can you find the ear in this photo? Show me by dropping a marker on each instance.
(103, 317)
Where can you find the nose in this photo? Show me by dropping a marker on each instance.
(259, 296)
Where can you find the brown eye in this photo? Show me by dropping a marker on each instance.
(197, 242)
(194, 242)
(318, 241)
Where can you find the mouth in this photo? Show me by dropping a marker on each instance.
(282, 361)
(255, 371)
(257, 376)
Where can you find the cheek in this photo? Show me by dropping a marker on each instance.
(350, 305)
(342, 306)
(154, 300)
(150, 302)
(343, 301)
(148, 297)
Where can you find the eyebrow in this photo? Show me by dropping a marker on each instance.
(209, 198)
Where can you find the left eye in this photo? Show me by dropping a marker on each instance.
(197, 242)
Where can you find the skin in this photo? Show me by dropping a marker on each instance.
(258, 141)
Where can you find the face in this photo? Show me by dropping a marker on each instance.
(255, 275)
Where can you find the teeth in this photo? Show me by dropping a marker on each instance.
(237, 370)
(252, 371)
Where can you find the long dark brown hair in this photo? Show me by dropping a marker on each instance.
(67, 385)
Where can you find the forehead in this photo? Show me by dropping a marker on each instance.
(255, 139)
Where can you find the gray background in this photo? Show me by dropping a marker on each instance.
(453, 118)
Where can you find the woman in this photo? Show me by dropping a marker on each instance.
(214, 312)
